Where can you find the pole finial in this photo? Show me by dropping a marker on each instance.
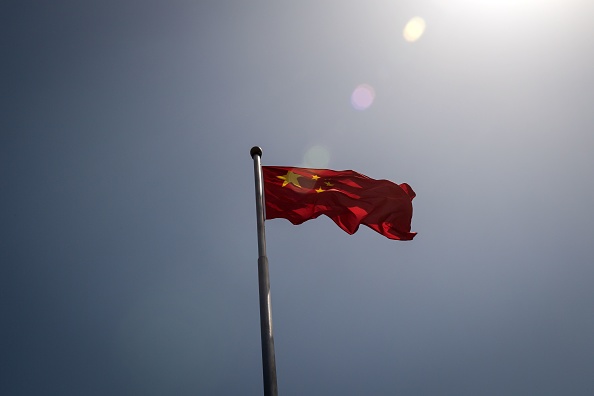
(256, 151)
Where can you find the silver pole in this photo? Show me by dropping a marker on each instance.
(268, 360)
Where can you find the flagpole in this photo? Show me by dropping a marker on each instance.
(268, 360)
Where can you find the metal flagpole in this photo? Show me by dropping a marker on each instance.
(268, 360)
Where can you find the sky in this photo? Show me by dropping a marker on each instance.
(128, 244)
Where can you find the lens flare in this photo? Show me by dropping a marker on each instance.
(414, 29)
(362, 97)
(316, 157)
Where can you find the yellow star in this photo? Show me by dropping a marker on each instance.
(319, 190)
(290, 178)
(315, 177)
(328, 184)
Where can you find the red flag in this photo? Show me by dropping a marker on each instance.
(347, 197)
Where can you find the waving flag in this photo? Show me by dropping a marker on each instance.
(347, 197)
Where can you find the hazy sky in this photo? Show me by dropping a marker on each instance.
(128, 231)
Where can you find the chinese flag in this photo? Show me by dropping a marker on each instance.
(347, 197)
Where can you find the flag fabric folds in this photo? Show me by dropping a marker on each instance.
(347, 197)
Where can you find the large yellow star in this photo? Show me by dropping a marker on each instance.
(290, 178)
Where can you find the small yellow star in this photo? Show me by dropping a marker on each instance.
(328, 184)
(315, 177)
(319, 190)
(290, 178)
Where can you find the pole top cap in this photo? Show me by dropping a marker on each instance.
(256, 151)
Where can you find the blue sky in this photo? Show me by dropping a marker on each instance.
(128, 227)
